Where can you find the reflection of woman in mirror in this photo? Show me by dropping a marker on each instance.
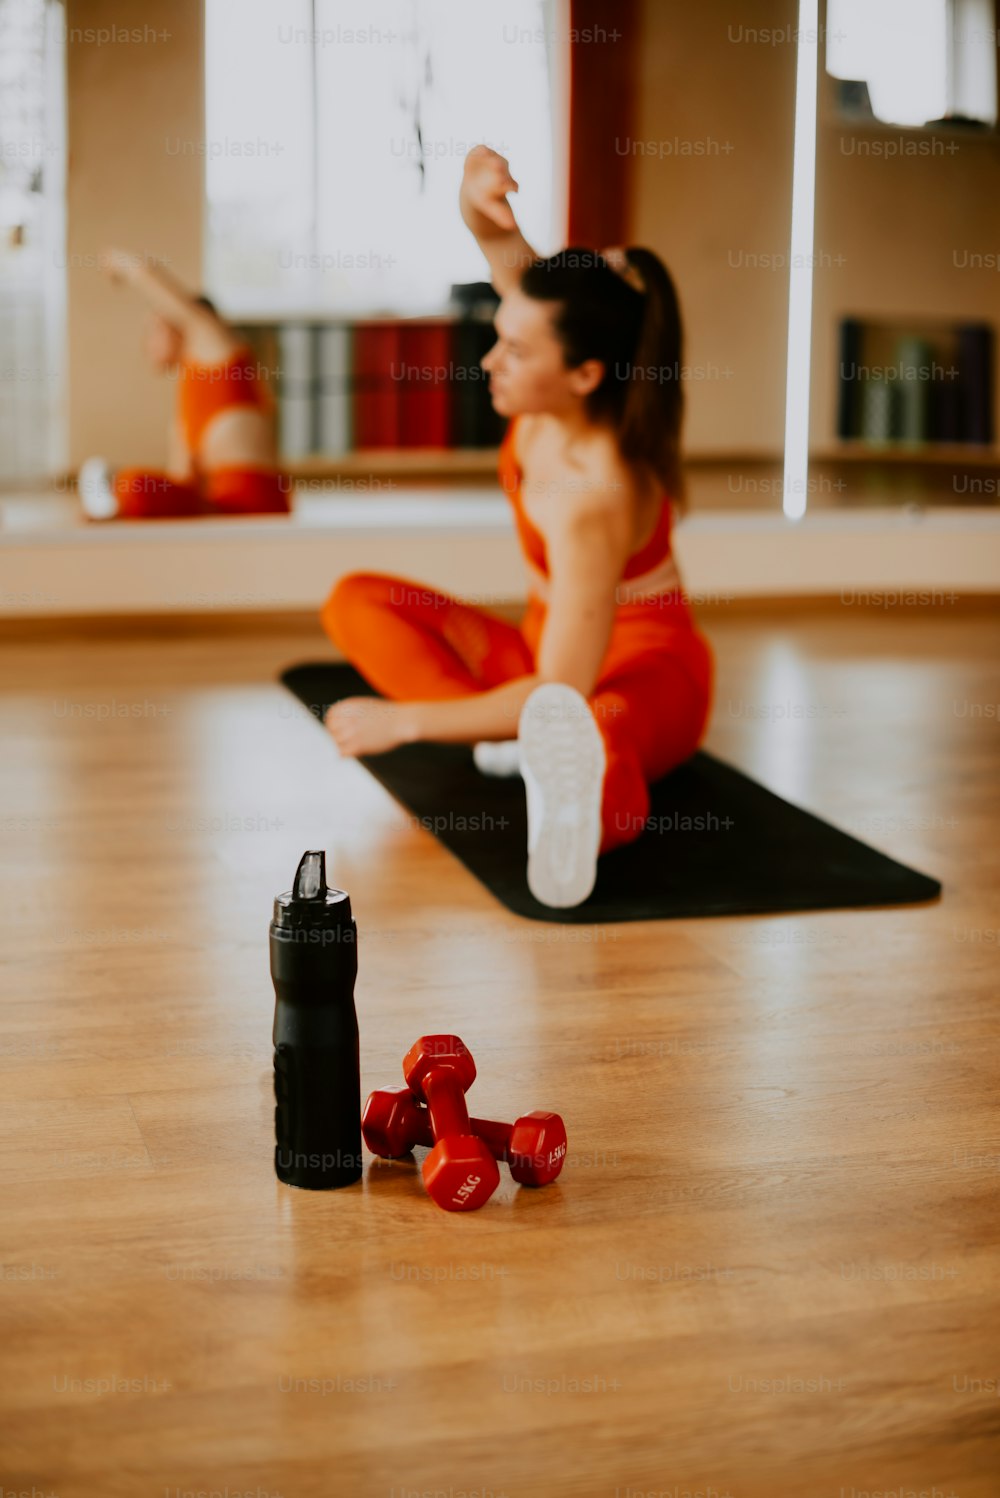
(222, 455)
(607, 681)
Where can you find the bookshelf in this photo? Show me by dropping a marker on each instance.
(472, 464)
(931, 454)
(442, 464)
(365, 466)
(381, 394)
(916, 385)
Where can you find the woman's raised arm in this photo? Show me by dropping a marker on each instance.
(485, 209)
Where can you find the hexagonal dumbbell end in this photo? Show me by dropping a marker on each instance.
(460, 1173)
(393, 1122)
(536, 1148)
(438, 1053)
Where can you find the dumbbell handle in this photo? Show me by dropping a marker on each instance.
(447, 1114)
(496, 1136)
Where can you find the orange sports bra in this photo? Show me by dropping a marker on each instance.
(206, 390)
(653, 554)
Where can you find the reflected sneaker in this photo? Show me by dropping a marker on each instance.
(563, 763)
(96, 490)
(501, 757)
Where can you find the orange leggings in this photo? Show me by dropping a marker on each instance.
(145, 495)
(651, 702)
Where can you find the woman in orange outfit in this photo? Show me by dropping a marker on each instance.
(607, 681)
(223, 459)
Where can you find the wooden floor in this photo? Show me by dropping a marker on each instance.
(770, 1266)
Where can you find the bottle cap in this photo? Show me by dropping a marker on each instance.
(310, 901)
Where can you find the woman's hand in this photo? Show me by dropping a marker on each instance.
(485, 185)
(369, 725)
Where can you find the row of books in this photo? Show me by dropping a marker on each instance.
(916, 387)
(386, 383)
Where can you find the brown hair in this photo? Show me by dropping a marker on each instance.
(636, 334)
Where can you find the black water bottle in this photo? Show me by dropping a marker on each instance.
(317, 1077)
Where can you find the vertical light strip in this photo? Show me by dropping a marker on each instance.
(556, 20)
(800, 275)
(315, 294)
(54, 209)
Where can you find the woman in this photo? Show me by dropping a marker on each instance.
(222, 455)
(607, 680)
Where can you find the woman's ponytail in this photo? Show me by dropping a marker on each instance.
(650, 429)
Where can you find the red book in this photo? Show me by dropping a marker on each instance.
(377, 384)
(426, 392)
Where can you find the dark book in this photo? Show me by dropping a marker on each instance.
(474, 299)
(975, 365)
(848, 383)
(474, 421)
(945, 408)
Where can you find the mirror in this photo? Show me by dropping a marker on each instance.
(299, 164)
(904, 396)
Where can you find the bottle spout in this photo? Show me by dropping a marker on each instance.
(311, 901)
(310, 877)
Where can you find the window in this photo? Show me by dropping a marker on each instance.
(921, 60)
(32, 239)
(335, 137)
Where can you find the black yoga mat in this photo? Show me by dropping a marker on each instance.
(716, 842)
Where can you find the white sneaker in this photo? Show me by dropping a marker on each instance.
(96, 492)
(500, 757)
(563, 763)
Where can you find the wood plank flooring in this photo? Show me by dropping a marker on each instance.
(771, 1264)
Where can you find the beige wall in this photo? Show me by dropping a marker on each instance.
(704, 78)
(135, 179)
(897, 223)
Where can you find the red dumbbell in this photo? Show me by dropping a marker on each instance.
(459, 1173)
(534, 1147)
